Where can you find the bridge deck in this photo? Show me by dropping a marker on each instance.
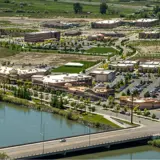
(55, 146)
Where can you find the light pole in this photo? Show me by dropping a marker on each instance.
(43, 137)
(132, 110)
(89, 135)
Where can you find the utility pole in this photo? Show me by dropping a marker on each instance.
(132, 110)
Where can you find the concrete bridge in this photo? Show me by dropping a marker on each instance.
(81, 143)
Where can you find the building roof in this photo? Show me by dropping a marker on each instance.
(74, 64)
(102, 72)
(108, 22)
(146, 20)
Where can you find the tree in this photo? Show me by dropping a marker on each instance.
(77, 8)
(103, 8)
(153, 116)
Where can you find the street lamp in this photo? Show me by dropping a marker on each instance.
(132, 110)
(89, 135)
(43, 135)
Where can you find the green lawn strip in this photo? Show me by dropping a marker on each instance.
(70, 69)
(102, 50)
(155, 143)
(95, 118)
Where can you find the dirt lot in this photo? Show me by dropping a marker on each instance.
(48, 58)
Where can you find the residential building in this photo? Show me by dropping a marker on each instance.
(73, 33)
(96, 37)
(142, 103)
(41, 36)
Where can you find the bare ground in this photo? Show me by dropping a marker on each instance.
(48, 58)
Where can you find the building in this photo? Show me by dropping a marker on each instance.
(41, 36)
(73, 33)
(74, 64)
(96, 37)
(123, 66)
(106, 24)
(13, 74)
(113, 34)
(146, 22)
(149, 66)
(60, 25)
(103, 75)
(62, 80)
(149, 35)
(142, 103)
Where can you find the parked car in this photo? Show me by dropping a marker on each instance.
(127, 113)
(122, 112)
(63, 140)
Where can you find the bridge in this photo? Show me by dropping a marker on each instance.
(81, 143)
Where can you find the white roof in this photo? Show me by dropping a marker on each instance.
(41, 32)
(6, 70)
(146, 20)
(102, 72)
(108, 21)
(74, 64)
(63, 78)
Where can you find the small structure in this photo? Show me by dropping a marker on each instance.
(106, 24)
(149, 35)
(142, 103)
(73, 33)
(146, 22)
(103, 75)
(41, 36)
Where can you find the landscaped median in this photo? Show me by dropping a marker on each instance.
(92, 120)
(155, 143)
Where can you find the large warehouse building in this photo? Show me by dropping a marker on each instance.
(41, 36)
(149, 35)
(146, 22)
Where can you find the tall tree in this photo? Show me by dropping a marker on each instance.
(103, 8)
(77, 8)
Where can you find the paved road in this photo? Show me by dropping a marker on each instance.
(80, 141)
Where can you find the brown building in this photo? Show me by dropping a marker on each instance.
(149, 35)
(146, 22)
(73, 33)
(96, 37)
(106, 24)
(41, 36)
(142, 103)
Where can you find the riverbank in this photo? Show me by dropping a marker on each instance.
(91, 120)
(155, 143)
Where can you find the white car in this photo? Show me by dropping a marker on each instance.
(63, 140)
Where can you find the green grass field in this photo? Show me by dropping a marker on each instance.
(49, 8)
(102, 50)
(67, 69)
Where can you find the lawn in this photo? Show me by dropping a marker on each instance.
(94, 118)
(67, 69)
(102, 50)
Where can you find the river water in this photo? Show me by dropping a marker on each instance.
(134, 153)
(20, 125)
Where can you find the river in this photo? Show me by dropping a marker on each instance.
(133, 153)
(19, 125)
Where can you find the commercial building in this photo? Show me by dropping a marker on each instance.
(41, 36)
(142, 103)
(149, 66)
(73, 33)
(96, 37)
(62, 80)
(149, 35)
(103, 75)
(13, 74)
(106, 24)
(146, 22)
(123, 66)
(113, 34)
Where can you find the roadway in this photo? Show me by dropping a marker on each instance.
(79, 142)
